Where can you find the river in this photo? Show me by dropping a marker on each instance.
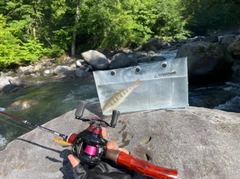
(57, 98)
(54, 100)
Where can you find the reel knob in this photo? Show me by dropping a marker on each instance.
(70, 139)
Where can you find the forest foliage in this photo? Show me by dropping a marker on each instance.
(30, 30)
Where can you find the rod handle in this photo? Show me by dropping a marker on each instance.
(145, 168)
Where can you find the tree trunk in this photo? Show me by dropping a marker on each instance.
(34, 32)
(73, 48)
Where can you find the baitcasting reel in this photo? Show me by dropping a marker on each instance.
(89, 144)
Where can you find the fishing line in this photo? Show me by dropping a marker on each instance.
(34, 125)
(26, 128)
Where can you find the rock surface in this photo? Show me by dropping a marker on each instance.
(10, 84)
(96, 59)
(205, 60)
(198, 142)
(226, 41)
(22, 105)
(120, 60)
(234, 48)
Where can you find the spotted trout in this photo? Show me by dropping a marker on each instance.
(119, 97)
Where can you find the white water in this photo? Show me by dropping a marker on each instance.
(231, 105)
(233, 86)
(3, 142)
(168, 54)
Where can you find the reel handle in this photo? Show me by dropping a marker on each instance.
(80, 108)
(115, 115)
(141, 166)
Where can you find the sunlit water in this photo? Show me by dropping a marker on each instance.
(57, 98)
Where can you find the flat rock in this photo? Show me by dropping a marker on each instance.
(198, 142)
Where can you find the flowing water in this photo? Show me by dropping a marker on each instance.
(57, 98)
(223, 96)
(54, 99)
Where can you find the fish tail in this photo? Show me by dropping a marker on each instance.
(137, 83)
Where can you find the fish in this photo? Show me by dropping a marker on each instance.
(120, 96)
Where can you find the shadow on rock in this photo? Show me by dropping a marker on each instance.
(39, 145)
(67, 167)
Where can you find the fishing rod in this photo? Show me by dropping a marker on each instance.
(63, 136)
(90, 146)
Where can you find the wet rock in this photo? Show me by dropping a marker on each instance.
(10, 88)
(67, 75)
(81, 73)
(63, 69)
(11, 84)
(22, 105)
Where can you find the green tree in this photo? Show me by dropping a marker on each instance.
(15, 51)
(170, 22)
(209, 15)
(51, 27)
(23, 30)
(112, 24)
